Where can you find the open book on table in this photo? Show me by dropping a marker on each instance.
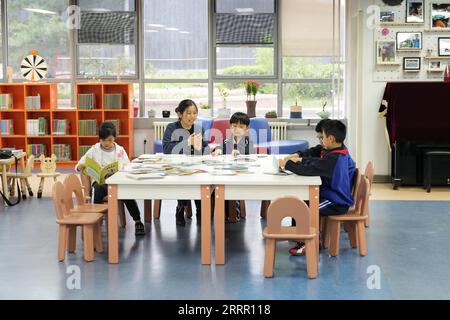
(98, 173)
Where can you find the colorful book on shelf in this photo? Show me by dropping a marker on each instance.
(98, 173)
(82, 150)
(86, 101)
(37, 149)
(7, 127)
(87, 127)
(37, 127)
(113, 101)
(60, 126)
(33, 102)
(6, 101)
(62, 152)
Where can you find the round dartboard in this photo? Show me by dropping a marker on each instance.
(33, 67)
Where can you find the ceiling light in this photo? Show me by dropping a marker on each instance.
(155, 25)
(172, 29)
(42, 11)
(245, 10)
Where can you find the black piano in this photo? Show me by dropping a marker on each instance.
(417, 120)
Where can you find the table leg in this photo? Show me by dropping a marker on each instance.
(148, 211)
(113, 229)
(206, 224)
(314, 209)
(219, 224)
(5, 183)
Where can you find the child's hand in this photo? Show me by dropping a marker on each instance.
(217, 152)
(81, 167)
(197, 143)
(294, 157)
(282, 163)
(235, 153)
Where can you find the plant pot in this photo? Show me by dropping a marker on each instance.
(324, 114)
(251, 109)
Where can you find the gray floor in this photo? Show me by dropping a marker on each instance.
(407, 242)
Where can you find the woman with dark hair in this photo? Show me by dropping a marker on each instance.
(185, 137)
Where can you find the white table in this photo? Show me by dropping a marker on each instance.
(256, 186)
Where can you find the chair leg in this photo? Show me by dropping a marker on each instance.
(88, 231)
(243, 209)
(352, 234)
(30, 191)
(72, 236)
(23, 188)
(325, 233)
(311, 258)
(362, 238)
(123, 219)
(188, 210)
(98, 237)
(232, 211)
(148, 211)
(12, 189)
(367, 221)
(269, 258)
(157, 209)
(62, 242)
(264, 206)
(41, 188)
(335, 230)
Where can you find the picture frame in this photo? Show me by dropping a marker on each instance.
(444, 46)
(386, 52)
(440, 15)
(415, 11)
(387, 16)
(409, 41)
(435, 65)
(412, 63)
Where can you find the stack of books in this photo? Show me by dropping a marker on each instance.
(37, 127)
(33, 102)
(113, 101)
(86, 101)
(87, 127)
(7, 127)
(62, 152)
(6, 101)
(116, 123)
(83, 149)
(60, 127)
(36, 149)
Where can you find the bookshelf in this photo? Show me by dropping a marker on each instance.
(54, 137)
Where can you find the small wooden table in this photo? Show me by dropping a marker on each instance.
(4, 163)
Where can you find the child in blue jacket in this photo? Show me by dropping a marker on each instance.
(336, 169)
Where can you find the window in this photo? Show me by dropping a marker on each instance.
(245, 33)
(107, 39)
(64, 95)
(39, 25)
(176, 39)
(167, 96)
(313, 63)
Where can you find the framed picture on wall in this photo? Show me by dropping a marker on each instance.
(411, 63)
(415, 11)
(435, 66)
(386, 53)
(444, 47)
(408, 41)
(440, 15)
(387, 16)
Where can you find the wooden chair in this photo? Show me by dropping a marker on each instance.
(355, 187)
(354, 219)
(48, 170)
(297, 209)
(86, 187)
(23, 178)
(73, 185)
(68, 223)
(369, 174)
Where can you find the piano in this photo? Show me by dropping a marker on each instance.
(417, 118)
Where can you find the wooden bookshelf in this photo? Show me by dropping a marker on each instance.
(48, 93)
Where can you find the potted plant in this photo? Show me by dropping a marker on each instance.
(271, 114)
(251, 88)
(224, 112)
(324, 114)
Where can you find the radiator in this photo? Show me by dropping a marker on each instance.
(160, 127)
(278, 130)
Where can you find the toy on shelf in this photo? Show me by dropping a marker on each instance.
(48, 170)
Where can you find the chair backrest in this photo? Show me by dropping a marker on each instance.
(260, 131)
(285, 207)
(73, 186)
(60, 200)
(356, 182)
(369, 173)
(219, 130)
(86, 185)
(362, 197)
(30, 165)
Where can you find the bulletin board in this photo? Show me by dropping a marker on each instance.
(387, 31)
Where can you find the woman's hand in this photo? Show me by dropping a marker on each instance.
(197, 141)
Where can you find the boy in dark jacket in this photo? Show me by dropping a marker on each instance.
(336, 169)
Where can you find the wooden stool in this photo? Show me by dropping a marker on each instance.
(23, 177)
(43, 176)
(297, 209)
